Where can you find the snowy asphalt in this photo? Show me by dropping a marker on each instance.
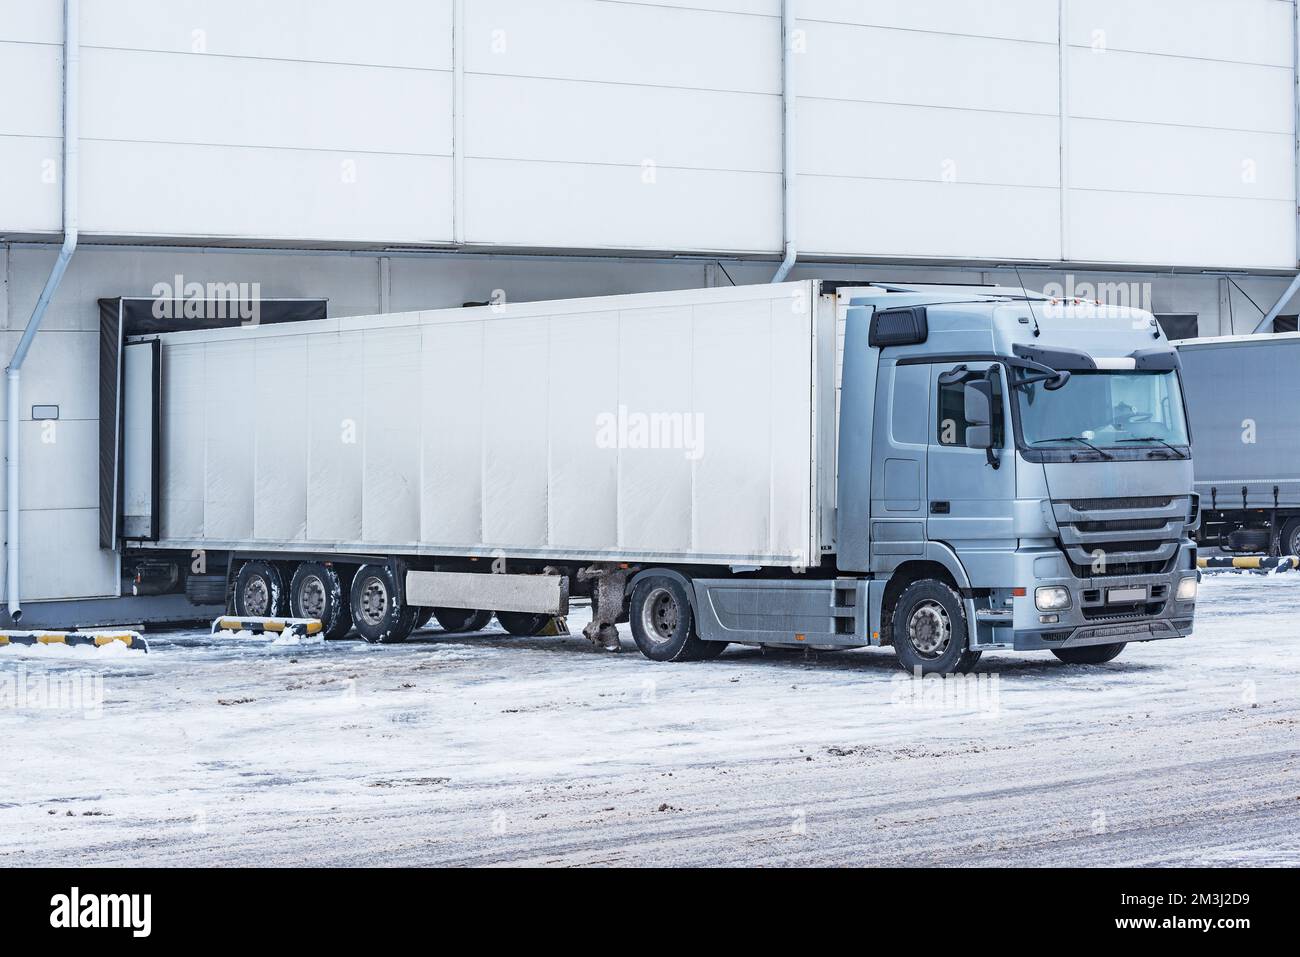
(485, 749)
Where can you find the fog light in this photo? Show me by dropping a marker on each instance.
(1186, 590)
(1051, 597)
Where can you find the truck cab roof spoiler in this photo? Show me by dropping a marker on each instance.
(1164, 359)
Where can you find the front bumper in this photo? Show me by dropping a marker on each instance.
(1102, 609)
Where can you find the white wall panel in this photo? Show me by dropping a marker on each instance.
(1187, 230)
(586, 205)
(414, 33)
(525, 118)
(928, 69)
(1193, 161)
(623, 43)
(30, 188)
(1117, 85)
(950, 220)
(887, 141)
(33, 99)
(1009, 19)
(1244, 31)
(259, 193)
(252, 102)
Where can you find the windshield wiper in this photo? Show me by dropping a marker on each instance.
(1077, 438)
(1100, 451)
(1151, 438)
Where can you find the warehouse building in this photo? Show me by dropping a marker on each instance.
(411, 154)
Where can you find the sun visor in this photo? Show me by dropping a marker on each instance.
(1156, 360)
(1056, 357)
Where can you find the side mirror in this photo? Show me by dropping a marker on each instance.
(979, 404)
(979, 437)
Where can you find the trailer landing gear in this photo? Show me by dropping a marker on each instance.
(608, 605)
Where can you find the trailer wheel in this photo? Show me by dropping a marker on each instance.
(317, 592)
(523, 624)
(377, 610)
(1089, 654)
(930, 631)
(259, 591)
(1289, 540)
(663, 622)
(462, 619)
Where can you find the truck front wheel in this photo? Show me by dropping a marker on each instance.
(377, 609)
(930, 633)
(663, 623)
(1089, 654)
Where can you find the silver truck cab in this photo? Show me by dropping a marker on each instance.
(1036, 450)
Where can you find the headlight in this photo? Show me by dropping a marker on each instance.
(1052, 598)
(1186, 590)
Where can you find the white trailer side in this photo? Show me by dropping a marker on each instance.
(679, 426)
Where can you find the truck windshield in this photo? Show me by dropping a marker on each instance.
(1104, 409)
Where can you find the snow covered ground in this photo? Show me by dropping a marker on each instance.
(485, 749)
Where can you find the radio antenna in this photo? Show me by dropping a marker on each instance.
(1037, 332)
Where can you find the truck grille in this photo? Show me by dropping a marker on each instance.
(1121, 537)
(1110, 504)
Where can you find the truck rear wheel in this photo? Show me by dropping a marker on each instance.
(663, 622)
(1089, 654)
(1289, 539)
(377, 610)
(930, 633)
(259, 591)
(523, 624)
(317, 592)
(462, 619)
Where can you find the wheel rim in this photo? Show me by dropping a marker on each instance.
(929, 629)
(257, 597)
(311, 597)
(660, 616)
(374, 601)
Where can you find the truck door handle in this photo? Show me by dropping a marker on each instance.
(940, 508)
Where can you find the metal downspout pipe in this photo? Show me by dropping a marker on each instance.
(787, 140)
(71, 64)
(1266, 324)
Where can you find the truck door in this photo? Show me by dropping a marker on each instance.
(898, 489)
(971, 503)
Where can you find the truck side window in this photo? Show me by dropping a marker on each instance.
(952, 413)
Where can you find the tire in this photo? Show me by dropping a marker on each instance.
(317, 592)
(462, 619)
(929, 630)
(1089, 654)
(523, 624)
(1289, 540)
(663, 622)
(259, 591)
(377, 610)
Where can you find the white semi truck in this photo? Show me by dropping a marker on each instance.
(947, 470)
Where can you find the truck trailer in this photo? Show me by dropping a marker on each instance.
(943, 470)
(1240, 393)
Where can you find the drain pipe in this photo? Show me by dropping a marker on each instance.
(1266, 324)
(71, 62)
(787, 140)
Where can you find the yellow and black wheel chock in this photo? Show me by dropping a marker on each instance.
(301, 627)
(93, 639)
